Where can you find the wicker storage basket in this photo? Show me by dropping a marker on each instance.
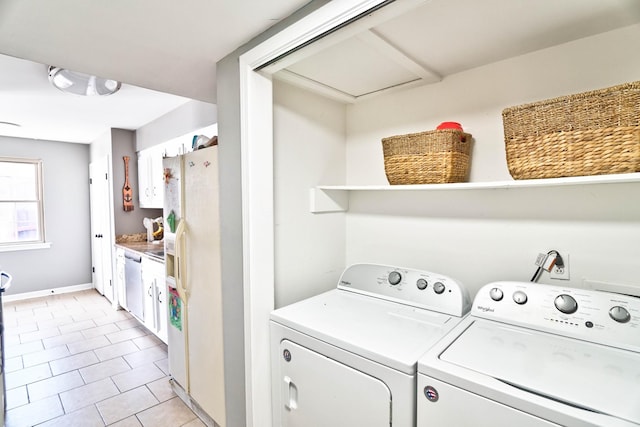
(590, 133)
(432, 157)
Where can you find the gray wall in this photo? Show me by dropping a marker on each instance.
(124, 144)
(229, 132)
(117, 143)
(184, 119)
(67, 220)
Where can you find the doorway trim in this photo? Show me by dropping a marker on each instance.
(256, 145)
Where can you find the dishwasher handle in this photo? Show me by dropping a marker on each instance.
(131, 256)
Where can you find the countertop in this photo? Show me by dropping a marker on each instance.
(142, 247)
(135, 243)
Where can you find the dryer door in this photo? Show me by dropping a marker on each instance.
(317, 392)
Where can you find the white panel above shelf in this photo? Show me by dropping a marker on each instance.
(335, 198)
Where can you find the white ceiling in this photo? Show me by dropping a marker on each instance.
(165, 46)
(444, 37)
(171, 47)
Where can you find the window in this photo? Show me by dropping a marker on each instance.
(21, 205)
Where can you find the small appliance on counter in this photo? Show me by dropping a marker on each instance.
(154, 227)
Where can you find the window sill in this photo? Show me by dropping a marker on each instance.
(25, 247)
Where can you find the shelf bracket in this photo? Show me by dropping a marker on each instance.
(328, 200)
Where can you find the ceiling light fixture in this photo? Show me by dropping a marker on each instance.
(80, 83)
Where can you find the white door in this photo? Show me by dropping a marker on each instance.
(101, 227)
(317, 392)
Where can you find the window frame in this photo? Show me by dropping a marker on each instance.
(39, 200)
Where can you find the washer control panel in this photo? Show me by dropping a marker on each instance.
(418, 288)
(600, 317)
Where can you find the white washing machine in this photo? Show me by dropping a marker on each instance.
(532, 355)
(347, 357)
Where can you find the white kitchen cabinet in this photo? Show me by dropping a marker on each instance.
(121, 293)
(150, 178)
(155, 301)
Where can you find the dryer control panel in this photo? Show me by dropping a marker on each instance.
(600, 317)
(418, 288)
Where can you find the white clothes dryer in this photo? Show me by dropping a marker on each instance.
(348, 357)
(532, 355)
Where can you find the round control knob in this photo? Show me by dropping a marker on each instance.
(619, 314)
(566, 304)
(438, 287)
(421, 284)
(496, 294)
(520, 297)
(394, 278)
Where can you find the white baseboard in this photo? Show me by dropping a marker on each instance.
(47, 292)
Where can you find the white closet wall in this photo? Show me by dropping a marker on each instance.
(475, 235)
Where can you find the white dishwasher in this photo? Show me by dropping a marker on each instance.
(133, 284)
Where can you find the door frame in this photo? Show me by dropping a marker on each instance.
(256, 145)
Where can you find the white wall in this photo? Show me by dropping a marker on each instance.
(117, 143)
(476, 236)
(184, 119)
(309, 150)
(484, 235)
(479, 236)
(477, 97)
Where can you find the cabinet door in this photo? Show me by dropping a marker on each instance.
(149, 291)
(162, 314)
(156, 177)
(143, 179)
(150, 178)
(155, 298)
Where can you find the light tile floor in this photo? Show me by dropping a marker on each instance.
(71, 360)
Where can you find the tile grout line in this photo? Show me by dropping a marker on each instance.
(135, 341)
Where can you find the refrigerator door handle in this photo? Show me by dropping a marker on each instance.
(181, 272)
(5, 281)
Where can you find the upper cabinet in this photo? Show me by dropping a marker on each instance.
(150, 177)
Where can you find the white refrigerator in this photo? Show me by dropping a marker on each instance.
(192, 250)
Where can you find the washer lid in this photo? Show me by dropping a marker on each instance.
(392, 334)
(590, 376)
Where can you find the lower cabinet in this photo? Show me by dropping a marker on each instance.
(155, 298)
